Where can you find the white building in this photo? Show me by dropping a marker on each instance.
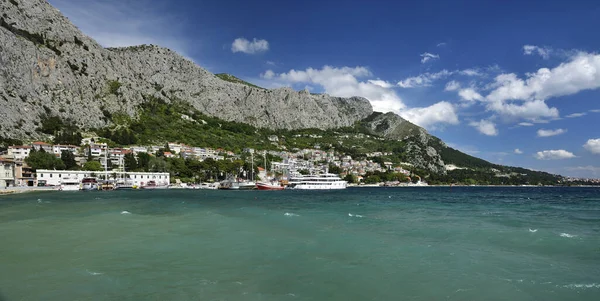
(58, 149)
(7, 173)
(19, 152)
(53, 177)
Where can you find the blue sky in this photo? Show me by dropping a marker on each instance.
(513, 82)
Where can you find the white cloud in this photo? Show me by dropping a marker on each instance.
(344, 82)
(554, 155)
(452, 86)
(582, 72)
(530, 110)
(575, 115)
(469, 94)
(441, 44)
(381, 83)
(550, 133)
(426, 79)
(268, 74)
(526, 124)
(544, 52)
(440, 113)
(518, 151)
(426, 57)
(127, 23)
(591, 170)
(271, 63)
(595, 111)
(471, 72)
(485, 127)
(423, 80)
(249, 47)
(593, 146)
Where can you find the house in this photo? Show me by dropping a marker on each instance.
(23, 174)
(19, 152)
(175, 147)
(7, 173)
(58, 149)
(168, 155)
(38, 145)
(273, 138)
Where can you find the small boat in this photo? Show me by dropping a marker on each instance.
(211, 186)
(269, 186)
(153, 185)
(126, 185)
(89, 184)
(69, 184)
(106, 185)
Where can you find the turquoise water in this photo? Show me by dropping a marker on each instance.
(356, 244)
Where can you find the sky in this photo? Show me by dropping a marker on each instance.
(513, 82)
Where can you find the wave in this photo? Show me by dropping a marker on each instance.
(290, 214)
(567, 235)
(581, 285)
(532, 230)
(354, 215)
(125, 212)
(94, 273)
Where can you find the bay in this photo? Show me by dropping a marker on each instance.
(425, 243)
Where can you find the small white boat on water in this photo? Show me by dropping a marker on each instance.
(89, 184)
(154, 185)
(211, 186)
(69, 184)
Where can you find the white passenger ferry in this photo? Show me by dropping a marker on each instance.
(320, 181)
(69, 184)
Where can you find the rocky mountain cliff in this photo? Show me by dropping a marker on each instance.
(48, 67)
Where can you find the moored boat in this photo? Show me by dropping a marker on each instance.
(269, 186)
(324, 181)
(89, 184)
(154, 185)
(69, 184)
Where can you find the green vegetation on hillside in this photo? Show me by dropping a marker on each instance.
(233, 79)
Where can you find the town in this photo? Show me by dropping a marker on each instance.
(94, 157)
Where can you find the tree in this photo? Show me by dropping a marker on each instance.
(130, 162)
(43, 160)
(92, 166)
(142, 161)
(349, 178)
(68, 159)
(335, 169)
(157, 165)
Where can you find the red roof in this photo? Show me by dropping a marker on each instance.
(19, 146)
(40, 143)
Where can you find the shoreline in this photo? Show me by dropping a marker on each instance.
(28, 189)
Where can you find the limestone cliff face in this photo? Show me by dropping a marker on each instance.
(423, 149)
(47, 66)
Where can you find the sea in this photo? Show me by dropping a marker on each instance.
(419, 243)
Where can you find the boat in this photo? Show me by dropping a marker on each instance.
(269, 185)
(317, 182)
(89, 184)
(107, 185)
(69, 184)
(273, 185)
(211, 186)
(125, 185)
(153, 185)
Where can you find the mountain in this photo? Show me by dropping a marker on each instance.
(52, 76)
(48, 66)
